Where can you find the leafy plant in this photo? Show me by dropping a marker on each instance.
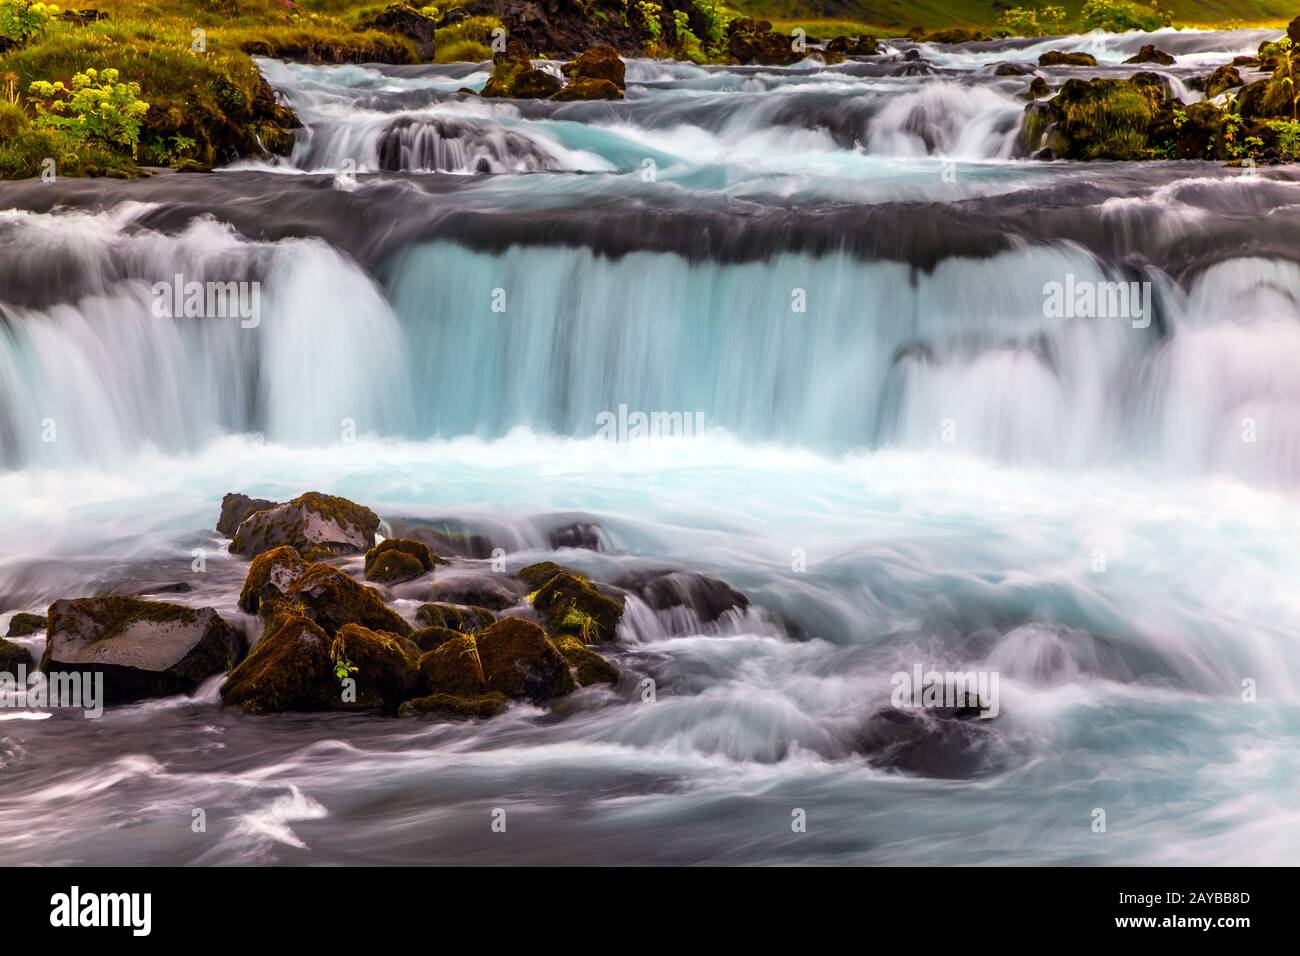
(1032, 22)
(650, 12)
(96, 106)
(343, 668)
(20, 20)
(715, 19)
(1117, 16)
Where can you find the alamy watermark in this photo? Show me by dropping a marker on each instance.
(56, 690)
(1091, 299)
(178, 298)
(935, 689)
(628, 425)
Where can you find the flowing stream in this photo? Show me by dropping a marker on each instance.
(907, 458)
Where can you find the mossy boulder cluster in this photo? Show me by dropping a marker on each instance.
(398, 560)
(596, 74)
(754, 41)
(1139, 118)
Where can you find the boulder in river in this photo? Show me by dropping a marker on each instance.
(570, 604)
(269, 577)
(596, 74)
(144, 648)
(395, 560)
(585, 89)
(515, 77)
(296, 666)
(452, 707)
(754, 41)
(520, 661)
(860, 46)
(453, 667)
(22, 625)
(333, 600)
(12, 656)
(1066, 58)
(235, 508)
(405, 21)
(951, 743)
(476, 589)
(1220, 81)
(466, 619)
(1150, 54)
(1013, 69)
(707, 597)
(588, 666)
(317, 525)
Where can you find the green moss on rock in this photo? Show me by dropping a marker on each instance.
(317, 525)
(21, 625)
(289, 669)
(588, 666)
(454, 667)
(466, 618)
(270, 576)
(452, 707)
(395, 560)
(520, 661)
(572, 605)
(332, 599)
(14, 655)
(430, 638)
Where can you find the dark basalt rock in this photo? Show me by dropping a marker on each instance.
(861, 46)
(588, 666)
(21, 625)
(332, 599)
(13, 656)
(466, 619)
(1066, 58)
(1038, 88)
(521, 662)
(452, 707)
(1013, 69)
(269, 578)
(1220, 81)
(144, 648)
(235, 508)
(570, 604)
(483, 589)
(1149, 54)
(579, 534)
(754, 41)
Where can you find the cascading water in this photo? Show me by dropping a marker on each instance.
(845, 271)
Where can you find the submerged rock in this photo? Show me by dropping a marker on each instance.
(269, 577)
(144, 648)
(579, 534)
(1066, 58)
(396, 560)
(708, 597)
(951, 743)
(316, 525)
(520, 661)
(1013, 69)
(235, 508)
(452, 707)
(22, 625)
(484, 589)
(1149, 54)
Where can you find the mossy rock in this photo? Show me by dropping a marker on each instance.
(520, 661)
(465, 618)
(1103, 118)
(13, 656)
(143, 648)
(861, 46)
(396, 560)
(586, 89)
(452, 707)
(1220, 81)
(432, 637)
(754, 41)
(270, 576)
(289, 669)
(235, 508)
(21, 625)
(572, 605)
(1150, 54)
(386, 670)
(599, 62)
(535, 575)
(404, 20)
(1066, 58)
(506, 68)
(588, 666)
(486, 591)
(332, 599)
(454, 667)
(317, 525)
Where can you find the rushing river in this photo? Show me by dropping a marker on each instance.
(907, 460)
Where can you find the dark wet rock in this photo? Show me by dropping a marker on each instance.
(453, 667)
(176, 587)
(406, 21)
(144, 648)
(535, 84)
(434, 636)
(1150, 54)
(954, 35)
(1246, 62)
(585, 89)
(861, 46)
(709, 598)
(1013, 69)
(485, 589)
(1066, 58)
(235, 508)
(600, 62)
(446, 537)
(514, 77)
(535, 575)
(520, 661)
(316, 525)
(947, 743)
(1038, 89)
(588, 666)
(452, 707)
(1220, 81)
(466, 619)
(579, 534)
(296, 666)
(912, 56)
(570, 604)
(21, 625)
(332, 599)
(1100, 119)
(395, 560)
(269, 578)
(754, 41)
(13, 656)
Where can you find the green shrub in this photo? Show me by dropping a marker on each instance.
(96, 106)
(19, 20)
(463, 51)
(1117, 16)
(1031, 22)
